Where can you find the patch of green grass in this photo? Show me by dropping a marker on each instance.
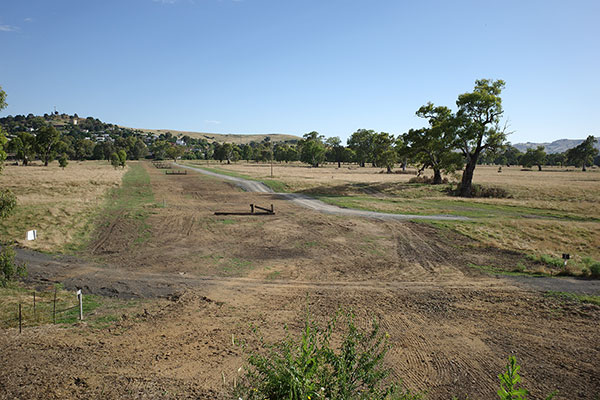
(236, 266)
(276, 186)
(580, 298)
(132, 200)
(465, 208)
(227, 221)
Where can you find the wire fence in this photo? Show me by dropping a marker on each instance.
(41, 307)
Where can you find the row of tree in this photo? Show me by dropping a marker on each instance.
(47, 143)
(582, 156)
(450, 141)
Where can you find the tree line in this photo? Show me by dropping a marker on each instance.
(450, 141)
(581, 156)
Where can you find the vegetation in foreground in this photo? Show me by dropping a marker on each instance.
(313, 367)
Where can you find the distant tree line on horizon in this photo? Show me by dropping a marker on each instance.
(450, 142)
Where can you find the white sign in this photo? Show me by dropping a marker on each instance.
(32, 235)
(79, 292)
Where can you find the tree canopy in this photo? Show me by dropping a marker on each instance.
(583, 155)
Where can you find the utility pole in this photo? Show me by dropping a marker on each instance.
(271, 159)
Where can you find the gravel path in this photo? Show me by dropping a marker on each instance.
(317, 205)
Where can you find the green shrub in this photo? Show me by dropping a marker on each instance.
(425, 179)
(484, 191)
(595, 270)
(310, 368)
(8, 202)
(9, 270)
(551, 261)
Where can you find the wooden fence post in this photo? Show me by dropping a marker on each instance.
(34, 304)
(19, 317)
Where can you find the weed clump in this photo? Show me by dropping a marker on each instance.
(312, 368)
(482, 191)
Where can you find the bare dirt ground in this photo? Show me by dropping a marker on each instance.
(451, 327)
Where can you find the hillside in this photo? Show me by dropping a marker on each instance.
(84, 126)
(558, 146)
(239, 138)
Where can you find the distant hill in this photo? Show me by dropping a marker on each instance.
(237, 138)
(558, 146)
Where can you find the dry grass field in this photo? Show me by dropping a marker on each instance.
(207, 279)
(551, 212)
(58, 203)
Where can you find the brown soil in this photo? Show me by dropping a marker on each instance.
(451, 327)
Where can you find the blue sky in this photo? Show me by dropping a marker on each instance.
(253, 66)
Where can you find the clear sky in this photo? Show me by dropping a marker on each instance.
(294, 66)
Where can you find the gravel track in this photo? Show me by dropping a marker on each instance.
(317, 205)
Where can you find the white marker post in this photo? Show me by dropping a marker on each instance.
(32, 235)
(80, 298)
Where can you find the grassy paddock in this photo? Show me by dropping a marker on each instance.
(549, 212)
(59, 203)
(133, 200)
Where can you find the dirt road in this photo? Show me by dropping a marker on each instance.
(451, 328)
(317, 205)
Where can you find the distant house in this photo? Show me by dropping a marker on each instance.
(180, 142)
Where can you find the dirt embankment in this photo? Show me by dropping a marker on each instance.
(451, 328)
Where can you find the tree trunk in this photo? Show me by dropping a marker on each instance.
(389, 169)
(437, 176)
(467, 178)
(339, 164)
(362, 163)
(583, 169)
(539, 167)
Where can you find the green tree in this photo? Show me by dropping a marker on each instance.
(23, 144)
(512, 155)
(47, 141)
(532, 157)
(139, 150)
(478, 126)
(84, 149)
(247, 152)
(174, 152)
(3, 104)
(361, 142)
(556, 159)
(122, 155)
(114, 160)
(384, 154)
(63, 160)
(159, 149)
(583, 155)
(336, 150)
(312, 149)
(434, 146)
(8, 269)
